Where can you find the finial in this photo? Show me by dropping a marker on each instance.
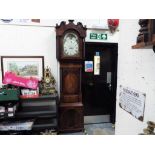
(71, 20)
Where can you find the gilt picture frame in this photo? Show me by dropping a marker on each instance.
(26, 66)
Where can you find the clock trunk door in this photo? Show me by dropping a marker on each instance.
(70, 82)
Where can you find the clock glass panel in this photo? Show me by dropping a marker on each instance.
(71, 45)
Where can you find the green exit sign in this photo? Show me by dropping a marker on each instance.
(98, 36)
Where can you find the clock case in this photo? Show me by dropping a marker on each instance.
(71, 107)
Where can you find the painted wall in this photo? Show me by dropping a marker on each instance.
(136, 69)
(39, 39)
(91, 23)
(29, 41)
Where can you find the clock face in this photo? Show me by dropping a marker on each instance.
(47, 80)
(71, 45)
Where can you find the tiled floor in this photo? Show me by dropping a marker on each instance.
(96, 129)
(99, 129)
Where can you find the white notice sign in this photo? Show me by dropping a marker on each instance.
(132, 101)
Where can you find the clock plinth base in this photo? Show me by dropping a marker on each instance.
(71, 117)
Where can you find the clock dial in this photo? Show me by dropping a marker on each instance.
(47, 80)
(71, 45)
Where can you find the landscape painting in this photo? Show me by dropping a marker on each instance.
(23, 66)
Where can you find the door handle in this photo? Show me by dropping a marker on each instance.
(109, 86)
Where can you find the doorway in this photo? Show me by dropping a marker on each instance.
(99, 91)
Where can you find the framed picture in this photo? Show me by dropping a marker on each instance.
(27, 66)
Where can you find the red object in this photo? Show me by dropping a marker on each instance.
(29, 96)
(113, 24)
(11, 78)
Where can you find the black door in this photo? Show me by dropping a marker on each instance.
(99, 91)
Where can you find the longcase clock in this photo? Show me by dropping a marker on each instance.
(70, 39)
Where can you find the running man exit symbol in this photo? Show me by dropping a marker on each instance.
(98, 36)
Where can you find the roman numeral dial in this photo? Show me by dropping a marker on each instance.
(70, 45)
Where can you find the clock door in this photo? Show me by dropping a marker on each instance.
(70, 83)
(71, 45)
(71, 48)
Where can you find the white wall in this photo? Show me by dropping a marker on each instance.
(136, 69)
(91, 23)
(29, 41)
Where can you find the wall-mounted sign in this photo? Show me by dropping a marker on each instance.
(98, 36)
(132, 101)
(20, 21)
(6, 20)
(88, 66)
(97, 64)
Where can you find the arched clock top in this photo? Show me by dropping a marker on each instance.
(70, 39)
(63, 27)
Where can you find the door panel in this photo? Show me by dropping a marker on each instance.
(70, 82)
(99, 91)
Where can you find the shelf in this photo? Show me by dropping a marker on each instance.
(38, 104)
(35, 114)
(146, 36)
(5, 116)
(38, 108)
(41, 97)
(43, 110)
(142, 45)
(36, 111)
(44, 124)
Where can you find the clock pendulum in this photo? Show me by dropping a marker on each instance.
(70, 39)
